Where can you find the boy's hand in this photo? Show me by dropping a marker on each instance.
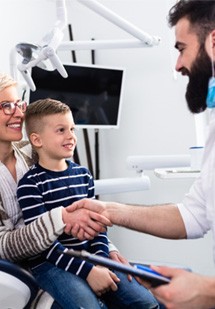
(116, 256)
(101, 280)
(87, 222)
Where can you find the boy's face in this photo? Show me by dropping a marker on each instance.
(57, 139)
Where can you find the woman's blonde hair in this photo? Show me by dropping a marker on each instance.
(6, 81)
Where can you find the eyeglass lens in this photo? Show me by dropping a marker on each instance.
(10, 107)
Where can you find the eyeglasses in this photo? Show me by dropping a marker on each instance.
(9, 108)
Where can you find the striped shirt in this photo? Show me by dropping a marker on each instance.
(19, 243)
(42, 190)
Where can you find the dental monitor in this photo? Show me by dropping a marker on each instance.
(93, 92)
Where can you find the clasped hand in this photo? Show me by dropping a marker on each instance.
(84, 223)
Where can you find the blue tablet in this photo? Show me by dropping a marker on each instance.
(144, 272)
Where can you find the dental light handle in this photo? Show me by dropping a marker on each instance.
(23, 68)
(26, 75)
(55, 61)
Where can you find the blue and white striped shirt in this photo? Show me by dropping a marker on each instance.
(41, 190)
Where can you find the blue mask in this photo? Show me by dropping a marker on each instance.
(210, 101)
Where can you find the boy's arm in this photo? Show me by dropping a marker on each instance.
(75, 266)
(33, 206)
(99, 245)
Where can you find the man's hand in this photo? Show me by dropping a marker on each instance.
(186, 290)
(97, 210)
(87, 222)
(93, 205)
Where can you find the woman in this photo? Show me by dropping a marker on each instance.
(17, 242)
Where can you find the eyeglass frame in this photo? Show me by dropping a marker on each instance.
(22, 105)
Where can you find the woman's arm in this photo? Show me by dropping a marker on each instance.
(29, 240)
(21, 243)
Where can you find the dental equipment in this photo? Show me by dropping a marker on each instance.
(121, 185)
(141, 163)
(47, 49)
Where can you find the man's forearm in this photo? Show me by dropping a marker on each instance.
(158, 220)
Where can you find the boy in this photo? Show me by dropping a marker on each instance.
(53, 180)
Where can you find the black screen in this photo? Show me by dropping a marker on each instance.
(93, 93)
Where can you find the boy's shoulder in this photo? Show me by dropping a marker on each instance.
(28, 175)
(76, 166)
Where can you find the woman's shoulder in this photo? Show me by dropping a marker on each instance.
(22, 144)
(28, 153)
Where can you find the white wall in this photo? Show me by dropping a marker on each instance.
(155, 119)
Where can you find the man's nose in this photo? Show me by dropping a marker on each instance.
(178, 65)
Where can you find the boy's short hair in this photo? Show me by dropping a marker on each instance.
(41, 108)
(6, 81)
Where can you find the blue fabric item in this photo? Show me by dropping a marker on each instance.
(59, 283)
(130, 294)
(210, 101)
(69, 291)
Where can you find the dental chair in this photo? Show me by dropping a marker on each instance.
(19, 290)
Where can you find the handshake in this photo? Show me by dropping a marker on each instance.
(86, 218)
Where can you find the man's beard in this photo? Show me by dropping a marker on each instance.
(197, 87)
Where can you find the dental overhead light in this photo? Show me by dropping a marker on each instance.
(26, 50)
(38, 54)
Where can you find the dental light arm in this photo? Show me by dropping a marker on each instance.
(46, 49)
(53, 41)
(120, 22)
(142, 38)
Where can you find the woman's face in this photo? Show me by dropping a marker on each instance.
(10, 125)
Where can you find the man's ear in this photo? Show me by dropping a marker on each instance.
(210, 44)
(213, 38)
(35, 140)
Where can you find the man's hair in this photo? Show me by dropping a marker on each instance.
(200, 14)
(6, 81)
(39, 109)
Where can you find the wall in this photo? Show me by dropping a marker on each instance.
(154, 119)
